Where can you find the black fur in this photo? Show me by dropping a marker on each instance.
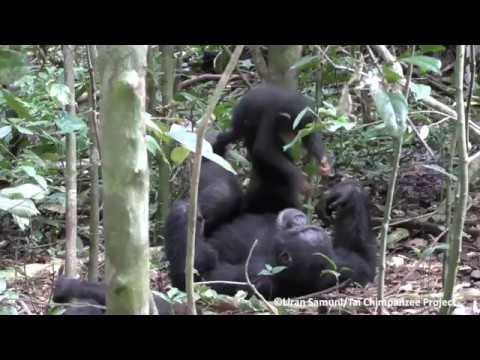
(283, 240)
(261, 119)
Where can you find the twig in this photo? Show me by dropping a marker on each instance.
(473, 157)
(221, 282)
(259, 60)
(326, 291)
(269, 306)
(93, 102)
(25, 307)
(339, 67)
(470, 88)
(407, 220)
(205, 77)
(192, 213)
(244, 78)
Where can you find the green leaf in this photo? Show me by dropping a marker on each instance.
(15, 103)
(430, 250)
(311, 168)
(342, 122)
(299, 117)
(278, 269)
(12, 66)
(420, 91)
(69, 123)
(393, 110)
(306, 62)
(3, 285)
(397, 235)
(425, 63)
(5, 131)
(188, 139)
(23, 130)
(30, 171)
(60, 93)
(390, 75)
(8, 310)
(19, 207)
(432, 48)
(179, 154)
(330, 262)
(152, 144)
(24, 191)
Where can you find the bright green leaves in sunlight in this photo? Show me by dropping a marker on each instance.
(393, 110)
(69, 123)
(425, 63)
(17, 104)
(179, 154)
(420, 91)
(18, 202)
(271, 270)
(188, 139)
(60, 93)
(12, 66)
(306, 62)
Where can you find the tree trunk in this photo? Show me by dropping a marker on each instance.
(280, 59)
(94, 165)
(125, 177)
(70, 173)
(456, 229)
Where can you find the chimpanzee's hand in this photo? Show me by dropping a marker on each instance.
(342, 195)
(325, 168)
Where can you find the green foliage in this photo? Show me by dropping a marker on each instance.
(420, 91)
(425, 63)
(393, 109)
(12, 66)
(271, 270)
(188, 139)
(7, 299)
(431, 48)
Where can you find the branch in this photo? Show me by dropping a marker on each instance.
(192, 213)
(269, 306)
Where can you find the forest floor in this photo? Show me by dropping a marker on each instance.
(414, 259)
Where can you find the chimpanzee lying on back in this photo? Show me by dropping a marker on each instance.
(263, 119)
(285, 239)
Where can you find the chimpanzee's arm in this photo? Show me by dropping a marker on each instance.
(67, 289)
(176, 244)
(354, 242)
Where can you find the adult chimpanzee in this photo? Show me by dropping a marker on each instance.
(220, 199)
(93, 295)
(220, 195)
(263, 119)
(284, 240)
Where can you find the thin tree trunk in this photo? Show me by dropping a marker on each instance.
(94, 178)
(280, 59)
(168, 73)
(259, 60)
(455, 233)
(125, 177)
(70, 173)
(192, 213)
